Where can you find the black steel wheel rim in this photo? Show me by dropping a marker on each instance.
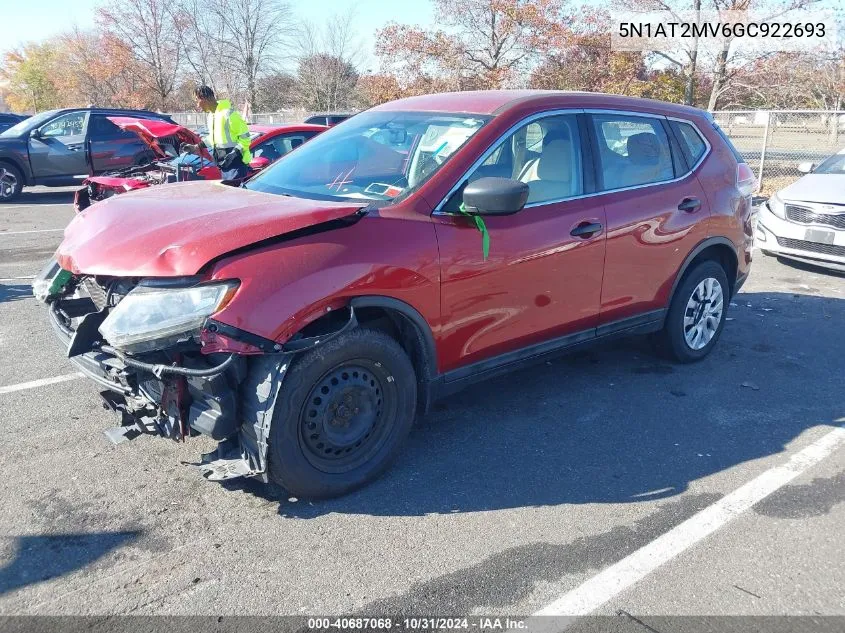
(346, 417)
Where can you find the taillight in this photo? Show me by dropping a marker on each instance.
(745, 180)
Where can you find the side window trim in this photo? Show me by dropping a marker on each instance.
(691, 169)
(707, 147)
(680, 163)
(438, 210)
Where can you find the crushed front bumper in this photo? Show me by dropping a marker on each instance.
(234, 406)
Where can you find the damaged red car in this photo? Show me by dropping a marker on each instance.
(306, 317)
(167, 165)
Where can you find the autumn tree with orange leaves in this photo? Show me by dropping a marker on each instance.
(485, 44)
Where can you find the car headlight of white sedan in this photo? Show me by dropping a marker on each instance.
(151, 318)
(776, 206)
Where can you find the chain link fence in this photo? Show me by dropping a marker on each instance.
(775, 142)
(197, 120)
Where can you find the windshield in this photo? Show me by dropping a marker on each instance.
(27, 124)
(372, 156)
(833, 165)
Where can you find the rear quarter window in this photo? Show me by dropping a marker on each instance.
(692, 145)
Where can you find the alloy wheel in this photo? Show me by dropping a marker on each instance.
(703, 313)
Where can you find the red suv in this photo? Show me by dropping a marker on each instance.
(306, 317)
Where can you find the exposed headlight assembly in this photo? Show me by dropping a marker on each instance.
(151, 318)
(50, 281)
(776, 206)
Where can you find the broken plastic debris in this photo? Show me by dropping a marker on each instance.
(751, 385)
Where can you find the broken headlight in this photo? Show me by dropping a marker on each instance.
(151, 318)
(50, 281)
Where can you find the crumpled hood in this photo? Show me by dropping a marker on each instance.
(176, 230)
(821, 188)
(151, 130)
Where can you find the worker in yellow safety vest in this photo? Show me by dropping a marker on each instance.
(228, 135)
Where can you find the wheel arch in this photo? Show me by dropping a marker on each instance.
(719, 249)
(14, 162)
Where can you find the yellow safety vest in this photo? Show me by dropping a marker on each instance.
(227, 129)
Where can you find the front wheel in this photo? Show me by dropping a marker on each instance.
(342, 414)
(11, 182)
(697, 314)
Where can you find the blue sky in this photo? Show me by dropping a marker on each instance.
(37, 19)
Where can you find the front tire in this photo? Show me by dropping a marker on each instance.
(342, 413)
(11, 182)
(697, 314)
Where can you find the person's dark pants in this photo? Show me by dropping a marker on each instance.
(236, 171)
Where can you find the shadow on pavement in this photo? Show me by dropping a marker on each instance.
(799, 265)
(15, 292)
(42, 557)
(616, 424)
(61, 196)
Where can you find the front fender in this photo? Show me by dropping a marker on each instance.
(286, 286)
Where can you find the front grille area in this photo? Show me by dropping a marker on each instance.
(805, 215)
(813, 247)
(96, 292)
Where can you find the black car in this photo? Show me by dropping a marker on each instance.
(331, 118)
(8, 119)
(62, 147)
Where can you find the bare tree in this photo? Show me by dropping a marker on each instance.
(728, 63)
(152, 30)
(327, 62)
(248, 36)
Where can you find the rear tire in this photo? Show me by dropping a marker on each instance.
(342, 413)
(11, 182)
(697, 314)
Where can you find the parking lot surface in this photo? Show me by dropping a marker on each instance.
(509, 496)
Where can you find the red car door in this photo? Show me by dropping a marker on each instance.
(656, 211)
(543, 277)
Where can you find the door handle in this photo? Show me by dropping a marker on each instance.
(690, 205)
(586, 229)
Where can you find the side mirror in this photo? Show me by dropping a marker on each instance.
(495, 196)
(806, 168)
(36, 134)
(259, 162)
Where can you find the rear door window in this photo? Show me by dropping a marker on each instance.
(632, 151)
(101, 129)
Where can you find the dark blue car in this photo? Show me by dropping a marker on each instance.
(58, 148)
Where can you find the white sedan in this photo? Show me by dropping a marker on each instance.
(806, 220)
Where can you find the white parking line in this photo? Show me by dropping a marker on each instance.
(17, 278)
(609, 583)
(32, 384)
(32, 231)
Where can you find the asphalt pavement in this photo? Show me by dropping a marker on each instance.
(510, 497)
